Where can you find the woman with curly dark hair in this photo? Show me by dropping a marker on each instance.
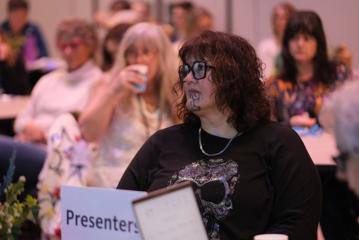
(251, 175)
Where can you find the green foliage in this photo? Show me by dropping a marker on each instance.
(13, 212)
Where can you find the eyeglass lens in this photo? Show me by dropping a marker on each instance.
(198, 70)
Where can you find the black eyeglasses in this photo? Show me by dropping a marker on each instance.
(198, 69)
(341, 160)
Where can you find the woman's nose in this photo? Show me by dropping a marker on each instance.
(67, 50)
(189, 78)
(301, 41)
(140, 58)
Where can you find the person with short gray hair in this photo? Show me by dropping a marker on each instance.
(340, 114)
(77, 29)
(61, 91)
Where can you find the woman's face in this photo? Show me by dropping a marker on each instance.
(303, 48)
(74, 51)
(200, 93)
(280, 20)
(140, 54)
(17, 20)
(179, 17)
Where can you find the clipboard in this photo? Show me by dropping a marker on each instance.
(170, 213)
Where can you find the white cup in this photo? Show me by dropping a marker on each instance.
(141, 69)
(271, 237)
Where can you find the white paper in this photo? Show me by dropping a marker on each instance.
(171, 216)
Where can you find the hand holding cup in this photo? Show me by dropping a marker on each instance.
(133, 77)
(142, 71)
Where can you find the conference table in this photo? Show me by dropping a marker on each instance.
(321, 147)
(11, 106)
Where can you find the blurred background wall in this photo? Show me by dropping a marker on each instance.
(248, 18)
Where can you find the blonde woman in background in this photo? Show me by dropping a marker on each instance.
(121, 116)
(269, 49)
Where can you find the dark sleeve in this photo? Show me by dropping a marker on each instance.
(41, 45)
(138, 174)
(297, 187)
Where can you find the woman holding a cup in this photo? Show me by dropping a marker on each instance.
(132, 101)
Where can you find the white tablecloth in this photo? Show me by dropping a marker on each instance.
(321, 147)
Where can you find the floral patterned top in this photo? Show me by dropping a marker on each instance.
(288, 99)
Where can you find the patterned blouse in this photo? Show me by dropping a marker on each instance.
(288, 99)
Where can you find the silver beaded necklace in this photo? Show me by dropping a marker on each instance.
(217, 153)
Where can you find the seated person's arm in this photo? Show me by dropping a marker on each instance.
(108, 94)
(96, 117)
(25, 126)
(31, 133)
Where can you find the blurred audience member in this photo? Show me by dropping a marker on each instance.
(110, 44)
(143, 9)
(123, 114)
(307, 75)
(24, 37)
(119, 5)
(180, 13)
(297, 95)
(120, 117)
(344, 114)
(119, 12)
(13, 76)
(204, 20)
(197, 21)
(340, 115)
(61, 91)
(269, 49)
(344, 58)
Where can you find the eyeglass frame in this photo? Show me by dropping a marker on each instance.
(206, 65)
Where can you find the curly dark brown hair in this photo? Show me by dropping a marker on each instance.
(236, 76)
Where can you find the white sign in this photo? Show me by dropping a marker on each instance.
(170, 214)
(97, 213)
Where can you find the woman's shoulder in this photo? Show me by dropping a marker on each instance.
(175, 133)
(174, 130)
(51, 79)
(275, 132)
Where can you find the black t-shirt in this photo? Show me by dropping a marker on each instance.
(265, 181)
